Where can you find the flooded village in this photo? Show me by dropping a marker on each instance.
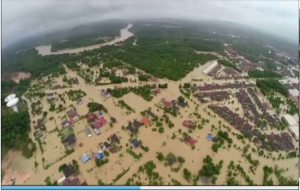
(212, 127)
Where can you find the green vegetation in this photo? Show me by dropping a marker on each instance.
(49, 183)
(222, 135)
(101, 162)
(75, 94)
(93, 106)
(292, 109)
(100, 182)
(133, 154)
(228, 64)
(269, 85)
(144, 77)
(124, 104)
(142, 91)
(267, 172)
(94, 33)
(160, 156)
(15, 128)
(77, 42)
(148, 169)
(120, 175)
(209, 169)
(2, 174)
(275, 101)
(263, 74)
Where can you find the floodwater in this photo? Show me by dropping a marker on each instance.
(53, 149)
(157, 142)
(46, 50)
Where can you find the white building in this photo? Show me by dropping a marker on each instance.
(293, 125)
(210, 67)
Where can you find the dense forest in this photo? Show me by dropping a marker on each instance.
(97, 35)
(269, 85)
(263, 74)
(15, 129)
(76, 42)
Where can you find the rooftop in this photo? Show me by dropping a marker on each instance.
(68, 170)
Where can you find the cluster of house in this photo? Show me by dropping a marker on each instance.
(291, 86)
(234, 85)
(247, 105)
(229, 73)
(244, 127)
(231, 51)
(133, 127)
(113, 139)
(171, 104)
(71, 177)
(39, 124)
(51, 97)
(214, 71)
(73, 117)
(104, 93)
(213, 96)
(273, 120)
(281, 142)
(74, 80)
(156, 91)
(96, 121)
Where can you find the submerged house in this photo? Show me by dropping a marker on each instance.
(85, 157)
(72, 114)
(65, 123)
(135, 143)
(188, 124)
(87, 132)
(70, 139)
(114, 138)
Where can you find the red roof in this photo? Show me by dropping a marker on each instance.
(146, 121)
(91, 116)
(187, 123)
(190, 141)
(102, 120)
(153, 79)
(83, 184)
(168, 104)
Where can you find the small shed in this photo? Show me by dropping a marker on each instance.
(135, 143)
(84, 158)
(87, 132)
(99, 155)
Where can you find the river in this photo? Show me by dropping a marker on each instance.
(46, 49)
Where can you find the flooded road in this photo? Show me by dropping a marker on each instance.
(46, 50)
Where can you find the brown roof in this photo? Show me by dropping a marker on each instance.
(72, 113)
(73, 182)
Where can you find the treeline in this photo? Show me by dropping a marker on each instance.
(37, 65)
(171, 60)
(228, 64)
(78, 41)
(263, 74)
(269, 85)
(15, 128)
(90, 34)
(9, 86)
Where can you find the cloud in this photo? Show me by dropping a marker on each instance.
(25, 18)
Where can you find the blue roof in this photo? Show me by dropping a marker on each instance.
(84, 158)
(209, 137)
(135, 143)
(99, 155)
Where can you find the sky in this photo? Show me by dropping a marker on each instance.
(21, 18)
